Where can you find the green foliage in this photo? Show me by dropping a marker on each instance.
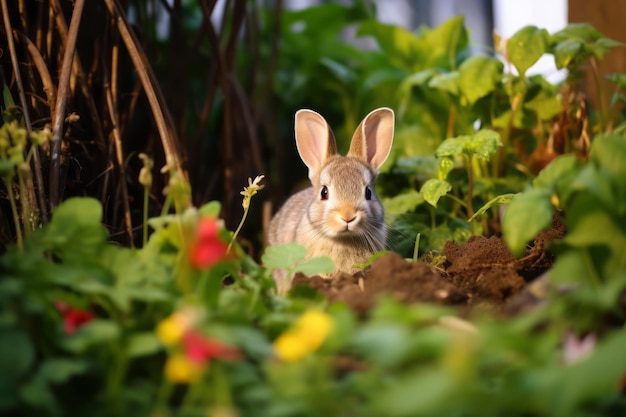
(90, 328)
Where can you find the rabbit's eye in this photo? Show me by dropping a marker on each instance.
(368, 193)
(324, 193)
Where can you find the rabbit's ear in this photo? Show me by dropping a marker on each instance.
(373, 137)
(314, 139)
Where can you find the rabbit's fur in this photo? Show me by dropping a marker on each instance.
(340, 216)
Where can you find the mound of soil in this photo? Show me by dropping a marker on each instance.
(481, 271)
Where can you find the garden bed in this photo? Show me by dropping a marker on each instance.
(480, 272)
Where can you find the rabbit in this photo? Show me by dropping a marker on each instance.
(339, 215)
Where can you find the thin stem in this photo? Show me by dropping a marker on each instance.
(601, 99)
(416, 249)
(243, 219)
(470, 186)
(146, 196)
(451, 122)
(59, 111)
(16, 218)
(22, 170)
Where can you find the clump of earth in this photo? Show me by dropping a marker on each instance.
(480, 272)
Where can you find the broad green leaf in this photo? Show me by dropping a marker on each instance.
(427, 391)
(499, 200)
(446, 164)
(98, 331)
(542, 98)
(555, 170)
(60, 370)
(567, 51)
(283, 256)
(526, 46)
(382, 343)
(404, 202)
(600, 47)
(478, 76)
(212, 209)
(597, 228)
(527, 214)
(434, 189)
(16, 356)
(484, 144)
(315, 266)
(402, 47)
(582, 31)
(447, 82)
(453, 146)
(143, 344)
(446, 42)
(609, 152)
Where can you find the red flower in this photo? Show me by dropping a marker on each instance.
(73, 318)
(208, 249)
(200, 348)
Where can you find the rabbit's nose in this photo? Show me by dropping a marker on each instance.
(348, 219)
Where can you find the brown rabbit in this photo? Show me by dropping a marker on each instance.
(340, 215)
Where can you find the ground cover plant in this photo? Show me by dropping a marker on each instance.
(479, 310)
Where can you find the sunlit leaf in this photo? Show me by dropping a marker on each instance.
(484, 144)
(478, 77)
(434, 189)
(447, 82)
(527, 214)
(526, 46)
(283, 256)
(315, 266)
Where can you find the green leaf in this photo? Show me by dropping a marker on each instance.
(609, 153)
(98, 331)
(143, 344)
(478, 76)
(427, 391)
(446, 42)
(212, 209)
(371, 259)
(555, 171)
(499, 200)
(283, 256)
(453, 146)
(484, 144)
(402, 47)
(382, 343)
(446, 164)
(528, 214)
(565, 52)
(597, 376)
(526, 46)
(60, 370)
(542, 98)
(404, 202)
(447, 82)
(434, 189)
(315, 266)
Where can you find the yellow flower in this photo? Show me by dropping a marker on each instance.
(172, 329)
(180, 369)
(306, 336)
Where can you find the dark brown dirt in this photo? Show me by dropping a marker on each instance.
(481, 271)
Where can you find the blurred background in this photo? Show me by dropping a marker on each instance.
(225, 77)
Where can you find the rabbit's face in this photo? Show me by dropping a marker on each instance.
(346, 205)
